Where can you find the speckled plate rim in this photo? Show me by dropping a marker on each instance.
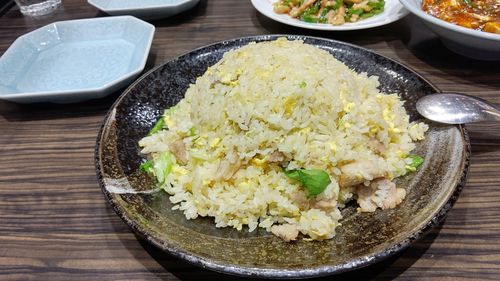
(437, 217)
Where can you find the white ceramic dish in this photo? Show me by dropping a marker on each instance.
(393, 11)
(145, 9)
(468, 42)
(72, 61)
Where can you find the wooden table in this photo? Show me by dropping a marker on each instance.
(56, 225)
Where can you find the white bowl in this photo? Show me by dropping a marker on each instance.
(468, 42)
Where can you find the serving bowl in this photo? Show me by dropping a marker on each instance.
(144, 9)
(75, 60)
(363, 239)
(465, 41)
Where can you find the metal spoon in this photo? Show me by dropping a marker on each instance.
(455, 108)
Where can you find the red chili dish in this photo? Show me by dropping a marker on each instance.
(481, 15)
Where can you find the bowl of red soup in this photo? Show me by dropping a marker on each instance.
(468, 27)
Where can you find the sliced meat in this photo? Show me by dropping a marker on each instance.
(363, 5)
(295, 12)
(226, 169)
(281, 9)
(287, 232)
(178, 149)
(325, 205)
(393, 195)
(351, 173)
(381, 193)
(327, 3)
(300, 198)
(365, 195)
(376, 146)
(276, 157)
(338, 17)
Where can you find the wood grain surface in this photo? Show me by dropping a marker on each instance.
(56, 225)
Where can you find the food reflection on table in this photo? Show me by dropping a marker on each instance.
(475, 14)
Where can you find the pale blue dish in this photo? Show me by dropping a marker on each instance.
(72, 61)
(145, 9)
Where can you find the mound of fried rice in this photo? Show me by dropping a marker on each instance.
(280, 105)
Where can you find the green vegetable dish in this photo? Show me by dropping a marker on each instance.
(336, 12)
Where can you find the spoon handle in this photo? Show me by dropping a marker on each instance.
(495, 113)
(490, 109)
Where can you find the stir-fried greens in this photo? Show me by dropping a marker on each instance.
(335, 12)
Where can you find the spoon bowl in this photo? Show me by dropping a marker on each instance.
(456, 108)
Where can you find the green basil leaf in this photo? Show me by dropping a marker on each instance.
(308, 18)
(293, 174)
(314, 181)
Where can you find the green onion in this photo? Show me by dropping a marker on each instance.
(158, 126)
(352, 11)
(309, 14)
(192, 131)
(414, 161)
(338, 3)
(315, 181)
(308, 18)
(146, 166)
(377, 5)
(370, 14)
(302, 85)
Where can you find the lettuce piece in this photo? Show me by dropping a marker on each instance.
(162, 166)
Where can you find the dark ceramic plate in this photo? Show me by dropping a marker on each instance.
(363, 239)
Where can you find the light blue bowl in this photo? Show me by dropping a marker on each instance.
(144, 9)
(72, 61)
